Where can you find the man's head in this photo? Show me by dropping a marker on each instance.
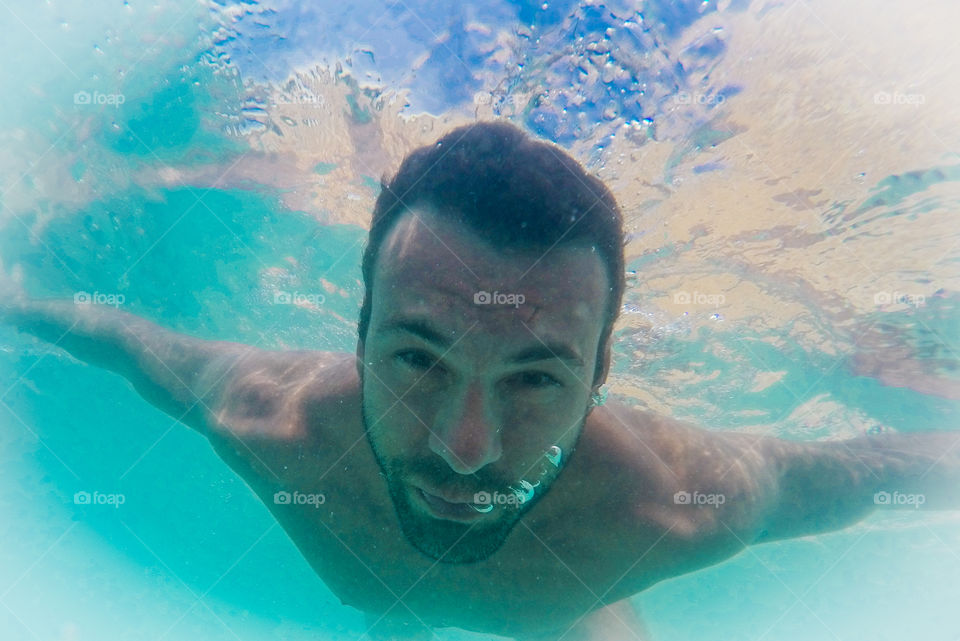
(493, 274)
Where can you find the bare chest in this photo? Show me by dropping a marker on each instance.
(559, 562)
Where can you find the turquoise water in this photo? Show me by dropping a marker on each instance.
(198, 202)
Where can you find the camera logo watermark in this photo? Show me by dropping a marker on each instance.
(303, 98)
(499, 498)
(98, 498)
(698, 298)
(498, 298)
(500, 100)
(98, 298)
(897, 298)
(897, 98)
(299, 498)
(697, 98)
(699, 498)
(298, 298)
(97, 98)
(898, 498)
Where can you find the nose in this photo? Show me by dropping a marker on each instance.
(469, 440)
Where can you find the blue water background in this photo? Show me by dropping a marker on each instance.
(192, 541)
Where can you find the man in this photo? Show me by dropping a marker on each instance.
(471, 474)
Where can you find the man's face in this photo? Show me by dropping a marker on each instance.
(475, 363)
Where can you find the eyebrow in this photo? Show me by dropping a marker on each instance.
(419, 328)
(542, 352)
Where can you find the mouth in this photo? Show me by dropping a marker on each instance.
(462, 511)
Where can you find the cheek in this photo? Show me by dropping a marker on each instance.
(394, 424)
(551, 401)
(531, 427)
(532, 415)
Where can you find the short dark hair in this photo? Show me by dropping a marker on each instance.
(510, 189)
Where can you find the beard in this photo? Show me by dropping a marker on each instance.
(449, 541)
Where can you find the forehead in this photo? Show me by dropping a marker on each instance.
(428, 263)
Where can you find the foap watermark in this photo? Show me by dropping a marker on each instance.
(498, 298)
(298, 298)
(899, 298)
(98, 298)
(698, 298)
(697, 98)
(98, 498)
(500, 100)
(299, 498)
(499, 498)
(97, 98)
(899, 499)
(897, 98)
(302, 98)
(699, 498)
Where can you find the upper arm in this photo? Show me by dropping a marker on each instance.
(707, 483)
(730, 487)
(210, 386)
(265, 409)
(700, 496)
(821, 487)
(825, 486)
(173, 371)
(800, 488)
(254, 394)
(218, 388)
(774, 489)
(259, 409)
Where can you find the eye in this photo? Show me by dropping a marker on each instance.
(415, 359)
(536, 380)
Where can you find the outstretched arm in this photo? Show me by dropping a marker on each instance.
(826, 486)
(178, 374)
(724, 490)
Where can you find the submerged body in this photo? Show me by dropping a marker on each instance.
(608, 528)
(620, 516)
(375, 463)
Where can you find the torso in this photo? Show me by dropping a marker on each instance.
(565, 554)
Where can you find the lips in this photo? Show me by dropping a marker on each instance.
(444, 497)
(450, 510)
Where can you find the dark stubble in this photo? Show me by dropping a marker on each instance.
(449, 541)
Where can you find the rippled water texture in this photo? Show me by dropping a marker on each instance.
(788, 171)
(789, 174)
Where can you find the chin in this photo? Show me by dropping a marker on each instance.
(449, 541)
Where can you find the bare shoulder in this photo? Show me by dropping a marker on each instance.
(275, 415)
(657, 452)
(279, 396)
(668, 453)
(687, 494)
